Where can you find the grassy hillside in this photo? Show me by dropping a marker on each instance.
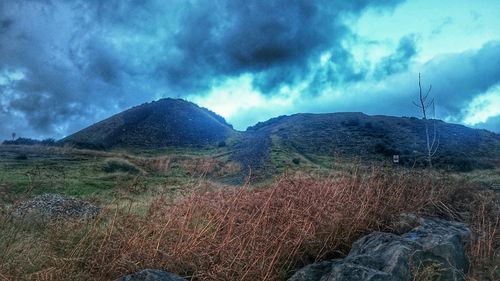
(300, 141)
(304, 140)
(167, 122)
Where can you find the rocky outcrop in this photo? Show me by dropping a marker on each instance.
(55, 206)
(432, 251)
(151, 275)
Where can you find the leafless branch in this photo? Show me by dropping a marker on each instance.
(432, 145)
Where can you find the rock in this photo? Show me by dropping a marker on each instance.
(443, 239)
(151, 275)
(55, 206)
(312, 272)
(434, 250)
(403, 223)
(385, 252)
(345, 271)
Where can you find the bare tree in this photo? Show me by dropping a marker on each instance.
(13, 136)
(432, 139)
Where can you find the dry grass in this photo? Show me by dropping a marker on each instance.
(244, 234)
(155, 164)
(241, 233)
(480, 208)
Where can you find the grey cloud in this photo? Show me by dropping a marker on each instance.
(273, 39)
(400, 60)
(458, 78)
(68, 77)
(492, 124)
(439, 28)
(84, 60)
(5, 24)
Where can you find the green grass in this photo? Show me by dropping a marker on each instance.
(76, 177)
(71, 174)
(285, 158)
(174, 151)
(83, 173)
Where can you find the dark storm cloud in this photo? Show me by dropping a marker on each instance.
(400, 60)
(274, 40)
(458, 78)
(5, 24)
(83, 60)
(340, 69)
(70, 74)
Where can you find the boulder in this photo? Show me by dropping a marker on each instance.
(346, 271)
(434, 250)
(402, 223)
(151, 275)
(385, 252)
(442, 247)
(313, 271)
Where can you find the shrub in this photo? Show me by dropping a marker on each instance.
(28, 141)
(353, 122)
(385, 149)
(119, 165)
(296, 161)
(86, 145)
(21, 156)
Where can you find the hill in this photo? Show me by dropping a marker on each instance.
(162, 123)
(315, 139)
(299, 141)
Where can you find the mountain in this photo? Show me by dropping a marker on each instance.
(162, 123)
(317, 139)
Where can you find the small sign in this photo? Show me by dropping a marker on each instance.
(395, 159)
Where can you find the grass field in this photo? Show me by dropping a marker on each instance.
(174, 209)
(87, 173)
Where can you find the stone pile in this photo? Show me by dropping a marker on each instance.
(55, 206)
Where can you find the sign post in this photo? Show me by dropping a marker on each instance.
(395, 159)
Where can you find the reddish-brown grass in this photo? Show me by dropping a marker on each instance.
(480, 208)
(244, 234)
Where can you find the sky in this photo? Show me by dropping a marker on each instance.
(67, 64)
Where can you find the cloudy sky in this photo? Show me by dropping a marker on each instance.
(67, 64)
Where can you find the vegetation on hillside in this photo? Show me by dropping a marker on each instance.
(28, 141)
